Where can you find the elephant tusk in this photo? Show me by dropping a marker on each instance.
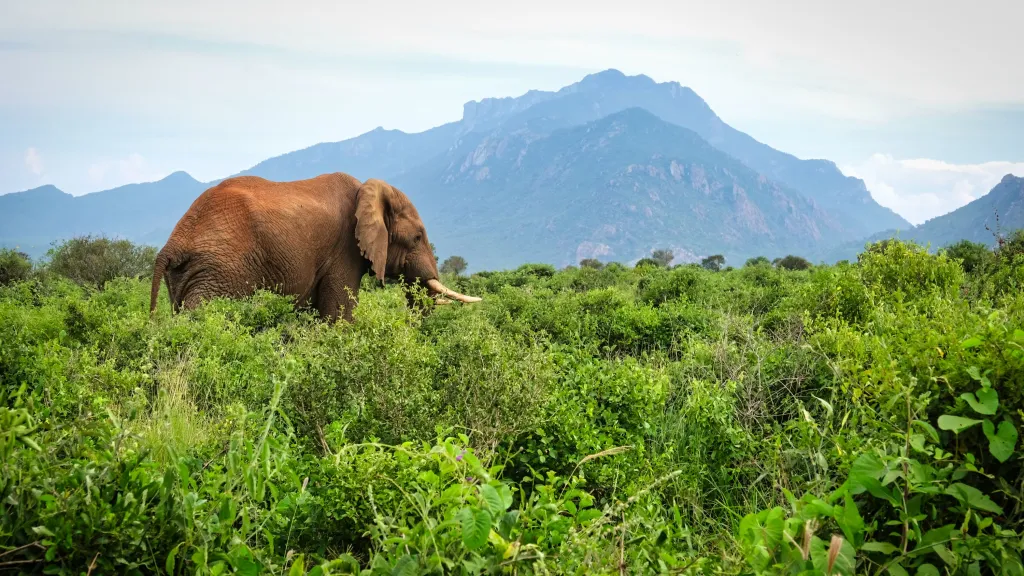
(436, 286)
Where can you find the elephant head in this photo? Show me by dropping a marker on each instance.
(392, 237)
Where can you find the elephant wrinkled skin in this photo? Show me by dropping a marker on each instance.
(312, 239)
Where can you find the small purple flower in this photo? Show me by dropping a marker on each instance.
(458, 457)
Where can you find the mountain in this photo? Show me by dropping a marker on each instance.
(612, 166)
(145, 212)
(595, 96)
(373, 154)
(975, 221)
(615, 189)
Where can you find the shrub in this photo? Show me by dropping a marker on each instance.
(14, 266)
(95, 261)
(584, 421)
(909, 270)
(757, 261)
(647, 262)
(791, 262)
(973, 256)
(662, 256)
(453, 265)
(713, 262)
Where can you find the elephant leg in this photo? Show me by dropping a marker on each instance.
(337, 293)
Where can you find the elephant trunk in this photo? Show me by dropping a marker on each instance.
(443, 290)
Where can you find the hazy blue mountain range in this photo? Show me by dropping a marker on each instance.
(145, 212)
(612, 167)
(975, 221)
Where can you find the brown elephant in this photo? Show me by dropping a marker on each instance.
(312, 239)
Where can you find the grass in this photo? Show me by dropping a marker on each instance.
(858, 418)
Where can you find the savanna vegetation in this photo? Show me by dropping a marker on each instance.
(768, 419)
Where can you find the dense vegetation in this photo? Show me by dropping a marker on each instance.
(859, 418)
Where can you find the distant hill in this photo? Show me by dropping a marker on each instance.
(529, 178)
(143, 212)
(975, 221)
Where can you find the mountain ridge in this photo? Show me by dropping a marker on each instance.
(974, 221)
(419, 162)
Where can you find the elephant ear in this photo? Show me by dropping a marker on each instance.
(371, 227)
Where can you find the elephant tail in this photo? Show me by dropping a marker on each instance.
(163, 260)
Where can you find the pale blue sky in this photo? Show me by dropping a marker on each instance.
(925, 102)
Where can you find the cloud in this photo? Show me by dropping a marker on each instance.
(118, 172)
(922, 188)
(34, 161)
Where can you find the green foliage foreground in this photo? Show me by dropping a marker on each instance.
(859, 418)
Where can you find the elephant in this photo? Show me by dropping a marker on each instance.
(312, 239)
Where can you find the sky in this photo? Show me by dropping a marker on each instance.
(922, 100)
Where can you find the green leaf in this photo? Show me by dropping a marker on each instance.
(298, 567)
(850, 522)
(492, 499)
(927, 570)
(507, 523)
(864, 475)
(956, 423)
(931, 537)
(476, 526)
(972, 497)
(972, 342)
(406, 566)
(986, 402)
(897, 570)
(171, 556)
(506, 496)
(881, 547)
(929, 429)
(43, 531)
(1001, 442)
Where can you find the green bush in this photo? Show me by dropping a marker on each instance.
(95, 261)
(861, 418)
(14, 266)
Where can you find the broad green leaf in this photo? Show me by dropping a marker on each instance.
(246, 567)
(406, 566)
(897, 570)
(850, 522)
(491, 498)
(507, 523)
(1002, 442)
(972, 497)
(864, 475)
(956, 424)
(298, 567)
(882, 547)
(972, 342)
(986, 402)
(844, 563)
(931, 538)
(476, 525)
(42, 531)
(1012, 567)
(506, 496)
(927, 570)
